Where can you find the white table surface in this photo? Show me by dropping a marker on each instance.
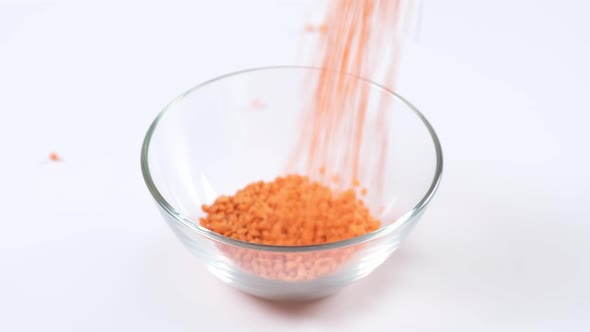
(504, 245)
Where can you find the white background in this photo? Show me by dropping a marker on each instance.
(504, 245)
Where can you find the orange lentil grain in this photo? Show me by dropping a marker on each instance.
(54, 157)
(257, 104)
(322, 28)
(335, 178)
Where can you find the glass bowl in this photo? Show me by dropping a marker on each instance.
(239, 128)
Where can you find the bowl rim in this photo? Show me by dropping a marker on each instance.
(185, 222)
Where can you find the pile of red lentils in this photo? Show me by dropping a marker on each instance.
(289, 211)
